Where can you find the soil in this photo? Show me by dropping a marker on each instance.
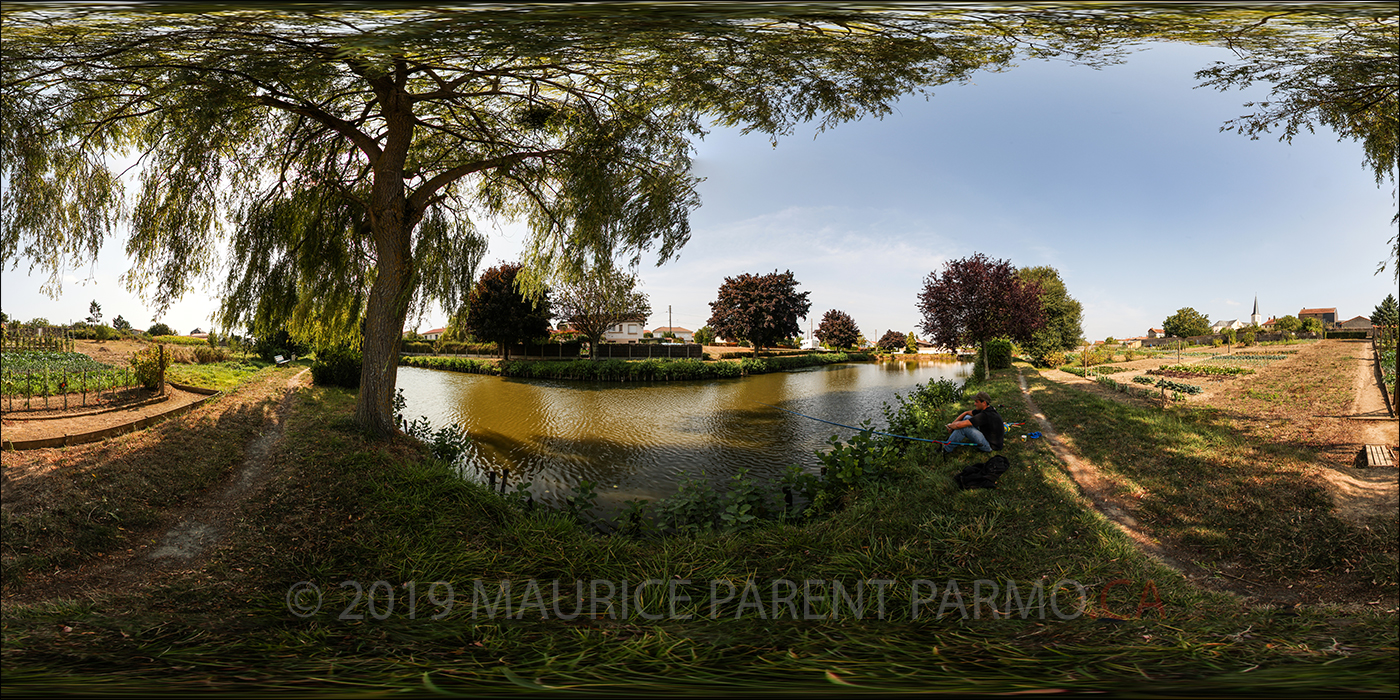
(196, 529)
(16, 427)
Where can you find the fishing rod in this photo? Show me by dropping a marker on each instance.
(867, 430)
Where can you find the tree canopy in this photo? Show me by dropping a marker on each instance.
(1386, 313)
(1185, 323)
(976, 299)
(762, 309)
(1062, 313)
(352, 152)
(837, 330)
(497, 311)
(892, 340)
(599, 300)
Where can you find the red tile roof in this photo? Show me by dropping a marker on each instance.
(1332, 310)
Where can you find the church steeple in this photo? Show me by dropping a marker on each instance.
(1255, 319)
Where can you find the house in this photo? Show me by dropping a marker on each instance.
(1270, 325)
(685, 335)
(1360, 323)
(434, 334)
(1156, 333)
(1220, 326)
(629, 331)
(1328, 317)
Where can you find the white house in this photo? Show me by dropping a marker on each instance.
(625, 332)
(684, 335)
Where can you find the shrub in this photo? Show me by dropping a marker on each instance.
(159, 329)
(337, 367)
(207, 355)
(1055, 358)
(999, 353)
(149, 366)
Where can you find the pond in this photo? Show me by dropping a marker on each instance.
(642, 439)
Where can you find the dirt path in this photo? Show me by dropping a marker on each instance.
(197, 529)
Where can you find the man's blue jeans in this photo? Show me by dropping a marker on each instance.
(968, 434)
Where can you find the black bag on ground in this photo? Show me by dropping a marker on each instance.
(983, 475)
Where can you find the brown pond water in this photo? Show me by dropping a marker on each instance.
(642, 439)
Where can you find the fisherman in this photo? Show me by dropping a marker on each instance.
(981, 426)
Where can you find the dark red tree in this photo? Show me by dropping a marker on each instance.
(891, 341)
(498, 312)
(977, 299)
(761, 309)
(838, 330)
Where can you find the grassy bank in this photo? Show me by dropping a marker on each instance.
(344, 508)
(618, 370)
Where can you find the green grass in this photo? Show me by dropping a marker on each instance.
(1230, 500)
(347, 508)
(220, 376)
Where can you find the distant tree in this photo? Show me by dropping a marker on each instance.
(160, 329)
(705, 336)
(977, 299)
(94, 313)
(1063, 315)
(911, 343)
(1312, 325)
(1386, 313)
(837, 330)
(121, 324)
(1186, 322)
(890, 341)
(1229, 334)
(498, 312)
(1289, 324)
(1109, 340)
(762, 309)
(861, 341)
(601, 299)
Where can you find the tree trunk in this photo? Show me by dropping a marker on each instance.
(392, 223)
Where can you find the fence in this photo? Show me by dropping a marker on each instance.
(30, 385)
(650, 350)
(21, 338)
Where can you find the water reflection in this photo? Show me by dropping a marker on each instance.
(641, 439)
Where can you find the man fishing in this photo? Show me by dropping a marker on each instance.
(981, 426)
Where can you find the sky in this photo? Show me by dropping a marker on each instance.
(1119, 178)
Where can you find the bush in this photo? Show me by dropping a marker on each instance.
(337, 367)
(999, 353)
(159, 329)
(149, 366)
(1055, 358)
(207, 355)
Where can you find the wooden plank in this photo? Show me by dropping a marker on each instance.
(1378, 456)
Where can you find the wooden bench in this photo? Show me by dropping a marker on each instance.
(280, 361)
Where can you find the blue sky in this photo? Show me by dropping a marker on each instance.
(1119, 178)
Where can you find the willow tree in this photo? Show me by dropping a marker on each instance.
(350, 152)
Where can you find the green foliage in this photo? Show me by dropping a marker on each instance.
(159, 329)
(1054, 358)
(1386, 313)
(278, 342)
(1186, 323)
(1288, 324)
(998, 353)
(705, 336)
(976, 299)
(919, 414)
(150, 364)
(1312, 325)
(1063, 317)
(911, 343)
(1247, 337)
(337, 366)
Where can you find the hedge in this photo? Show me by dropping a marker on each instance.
(657, 369)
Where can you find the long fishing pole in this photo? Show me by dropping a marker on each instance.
(868, 430)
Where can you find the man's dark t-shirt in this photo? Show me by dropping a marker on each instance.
(989, 423)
